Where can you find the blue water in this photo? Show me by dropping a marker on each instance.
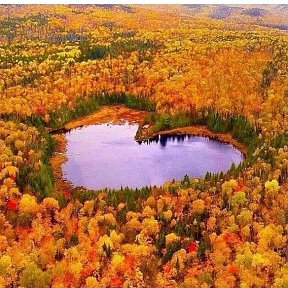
(107, 156)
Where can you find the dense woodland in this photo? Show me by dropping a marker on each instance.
(220, 66)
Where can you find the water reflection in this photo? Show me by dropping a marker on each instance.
(163, 139)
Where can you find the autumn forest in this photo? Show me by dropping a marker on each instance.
(219, 71)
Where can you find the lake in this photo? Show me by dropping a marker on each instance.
(107, 156)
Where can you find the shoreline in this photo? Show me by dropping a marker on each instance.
(58, 158)
(118, 115)
(115, 114)
(202, 131)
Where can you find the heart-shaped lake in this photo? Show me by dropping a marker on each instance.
(107, 156)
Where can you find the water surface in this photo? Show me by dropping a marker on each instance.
(107, 156)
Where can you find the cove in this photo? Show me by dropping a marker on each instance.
(107, 156)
